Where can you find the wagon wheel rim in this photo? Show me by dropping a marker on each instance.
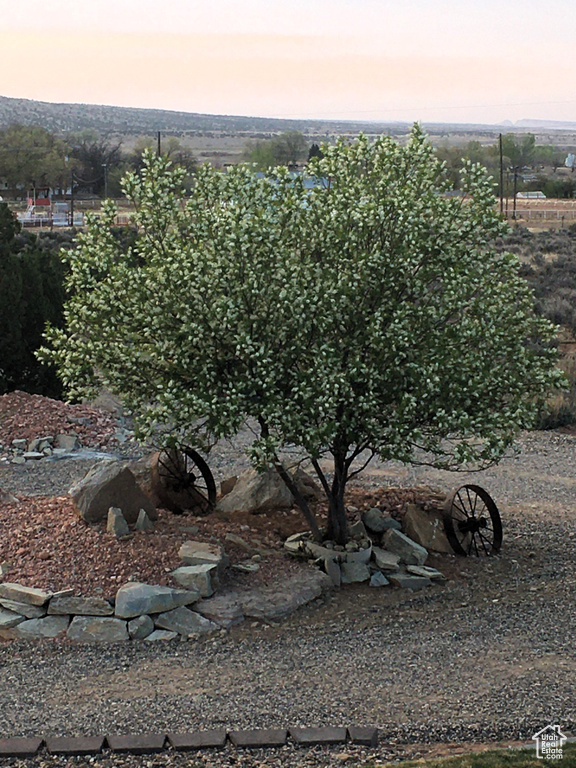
(472, 522)
(185, 480)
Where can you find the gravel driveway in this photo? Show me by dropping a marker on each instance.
(488, 656)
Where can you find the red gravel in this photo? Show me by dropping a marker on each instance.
(49, 546)
(28, 416)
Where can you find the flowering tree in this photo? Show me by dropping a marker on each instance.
(367, 316)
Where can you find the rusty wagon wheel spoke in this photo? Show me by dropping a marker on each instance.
(183, 481)
(472, 522)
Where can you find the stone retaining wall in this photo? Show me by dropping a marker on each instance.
(147, 612)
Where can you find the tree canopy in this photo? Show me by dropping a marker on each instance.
(367, 316)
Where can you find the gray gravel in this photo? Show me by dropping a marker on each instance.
(488, 656)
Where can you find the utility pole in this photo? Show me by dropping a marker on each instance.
(71, 198)
(501, 175)
(105, 166)
(515, 192)
(159, 150)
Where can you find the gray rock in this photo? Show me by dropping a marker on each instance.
(427, 528)
(224, 610)
(409, 581)
(203, 578)
(116, 524)
(134, 599)
(24, 609)
(378, 580)
(426, 571)
(386, 561)
(227, 485)
(69, 441)
(18, 460)
(307, 485)
(203, 553)
(5, 567)
(358, 530)
(140, 627)
(80, 606)
(247, 566)
(257, 492)
(96, 629)
(373, 519)
(47, 451)
(7, 498)
(20, 594)
(160, 634)
(40, 443)
(19, 444)
(409, 551)
(376, 521)
(333, 570)
(36, 629)
(185, 622)
(33, 455)
(144, 523)
(277, 602)
(354, 572)
(9, 619)
(110, 484)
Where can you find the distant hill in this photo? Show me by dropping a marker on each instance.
(128, 120)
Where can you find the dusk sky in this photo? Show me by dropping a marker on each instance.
(432, 60)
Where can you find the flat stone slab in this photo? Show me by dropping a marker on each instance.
(83, 745)
(187, 742)
(140, 744)
(21, 594)
(80, 606)
(258, 738)
(425, 570)
(135, 599)
(310, 736)
(20, 747)
(367, 737)
(9, 619)
(185, 622)
(410, 552)
(408, 581)
(386, 561)
(224, 610)
(160, 635)
(277, 602)
(37, 629)
(24, 609)
(97, 629)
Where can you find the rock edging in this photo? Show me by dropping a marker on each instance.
(150, 743)
(147, 612)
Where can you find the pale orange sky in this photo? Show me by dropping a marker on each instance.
(368, 59)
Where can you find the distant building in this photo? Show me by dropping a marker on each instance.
(531, 195)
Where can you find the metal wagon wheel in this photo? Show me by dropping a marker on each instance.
(472, 522)
(183, 481)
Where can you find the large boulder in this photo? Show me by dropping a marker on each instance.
(427, 528)
(142, 471)
(110, 484)
(259, 492)
(256, 492)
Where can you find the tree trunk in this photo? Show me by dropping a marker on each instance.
(337, 529)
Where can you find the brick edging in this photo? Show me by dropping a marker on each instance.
(138, 744)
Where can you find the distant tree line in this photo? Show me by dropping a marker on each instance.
(33, 157)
